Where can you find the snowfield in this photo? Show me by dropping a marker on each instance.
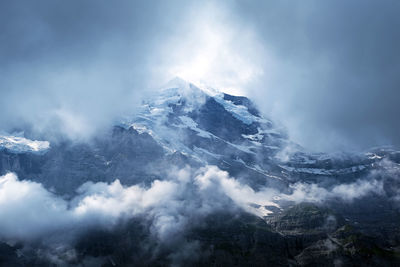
(17, 144)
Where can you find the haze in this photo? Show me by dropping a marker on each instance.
(327, 71)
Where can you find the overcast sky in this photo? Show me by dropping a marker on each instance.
(327, 70)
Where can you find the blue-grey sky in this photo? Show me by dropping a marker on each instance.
(327, 70)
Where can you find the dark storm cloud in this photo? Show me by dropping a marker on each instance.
(327, 70)
(70, 31)
(77, 64)
(334, 78)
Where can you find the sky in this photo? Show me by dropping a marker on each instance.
(328, 71)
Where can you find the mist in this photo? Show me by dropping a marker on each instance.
(327, 71)
(93, 174)
(333, 75)
(170, 205)
(72, 68)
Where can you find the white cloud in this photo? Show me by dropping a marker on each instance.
(304, 192)
(215, 49)
(29, 211)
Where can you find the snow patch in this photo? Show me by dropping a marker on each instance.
(238, 111)
(17, 144)
(191, 124)
(318, 171)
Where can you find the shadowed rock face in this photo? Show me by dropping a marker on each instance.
(192, 128)
(229, 239)
(66, 166)
(233, 128)
(243, 101)
(125, 154)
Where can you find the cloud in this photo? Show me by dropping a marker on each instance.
(382, 181)
(332, 83)
(304, 192)
(170, 205)
(214, 182)
(214, 47)
(28, 210)
(169, 208)
(72, 68)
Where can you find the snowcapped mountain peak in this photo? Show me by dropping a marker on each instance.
(210, 126)
(176, 82)
(175, 93)
(187, 88)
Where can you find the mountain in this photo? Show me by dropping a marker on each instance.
(184, 125)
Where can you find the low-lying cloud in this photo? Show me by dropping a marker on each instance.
(170, 208)
(169, 204)
(304, 192)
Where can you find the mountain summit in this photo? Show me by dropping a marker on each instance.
(226, 182)
(190, 125)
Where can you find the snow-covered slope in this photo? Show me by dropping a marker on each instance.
(229, 131)
(184, 127)
(185, 123)
(211, 127)
(17, 144)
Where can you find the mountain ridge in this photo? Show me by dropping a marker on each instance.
(258, 198)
